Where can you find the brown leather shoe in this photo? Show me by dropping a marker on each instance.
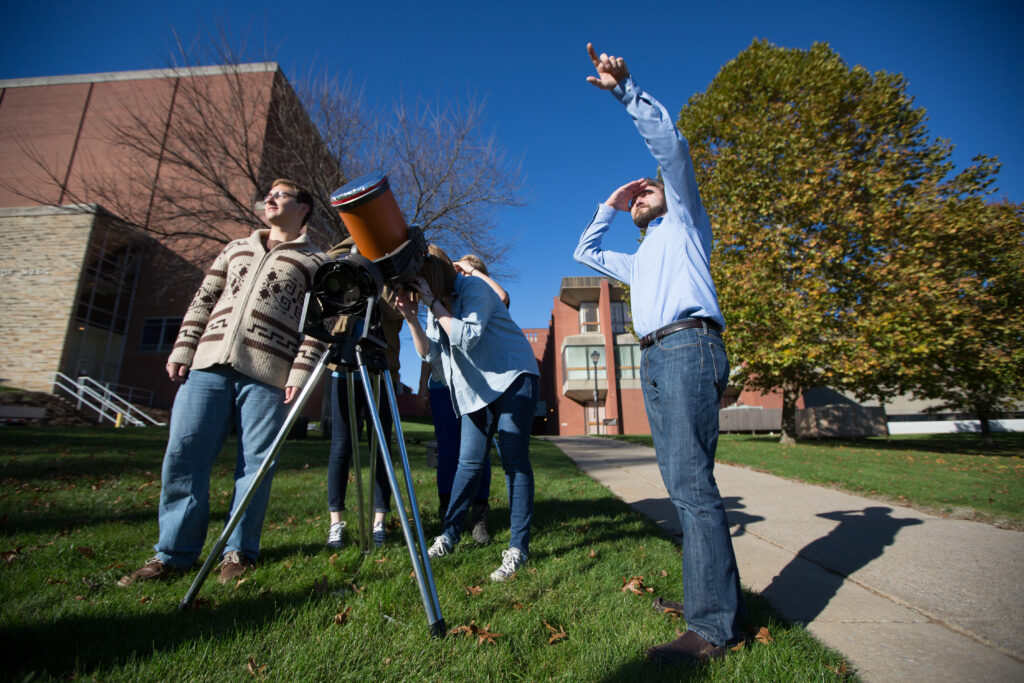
(233, 566)
(154, 569)
(669, 607)
(687, 648)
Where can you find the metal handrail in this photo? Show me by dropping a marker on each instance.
(99, 398)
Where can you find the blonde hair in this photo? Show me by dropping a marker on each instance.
(439, 272)
(476, 262)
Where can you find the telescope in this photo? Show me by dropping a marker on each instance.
(390, 253)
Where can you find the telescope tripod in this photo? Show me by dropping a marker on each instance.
(367, 353)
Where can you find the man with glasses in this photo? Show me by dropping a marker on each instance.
(241, 357)
(684, 368)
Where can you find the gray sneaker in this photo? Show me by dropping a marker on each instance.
(511, 559)
(442, 546)
(378, 534)
(335, 537)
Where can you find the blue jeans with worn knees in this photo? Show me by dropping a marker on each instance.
(341, 442)
(205, 407)
(683, 376)
(447, 433)
(510, 416)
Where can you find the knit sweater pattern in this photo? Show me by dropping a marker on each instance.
(247, 312)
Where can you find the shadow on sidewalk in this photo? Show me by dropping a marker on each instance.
(801, 591)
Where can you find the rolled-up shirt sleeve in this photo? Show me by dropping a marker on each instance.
(476, 307)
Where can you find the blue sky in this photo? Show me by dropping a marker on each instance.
(527, 60)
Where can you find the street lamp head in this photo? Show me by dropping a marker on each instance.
(595, 356)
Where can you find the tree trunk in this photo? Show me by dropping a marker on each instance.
(790, 394)
(986, 431)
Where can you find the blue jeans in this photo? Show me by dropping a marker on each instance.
(448, 433)
(511, 417)
(341, 443)
(683, 376)
(204, 410)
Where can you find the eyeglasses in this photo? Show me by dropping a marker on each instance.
(278, 195)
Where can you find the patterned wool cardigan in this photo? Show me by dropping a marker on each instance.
(247, 312)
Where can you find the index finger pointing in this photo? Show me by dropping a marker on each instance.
(593, 54)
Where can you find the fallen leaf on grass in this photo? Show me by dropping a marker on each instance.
(356, 589)
(556, 635)
(517, 606)
(254, 669)
(737, 647)
(387, 661)
(333, 559)
(583, 529)
(240, 582)
(635, 585)
(664, 573)
(482, 634)
(320, 587)
(53, 582)
(593, 553)
(144, 599)
(341, 617)
(381, 560)
(79, 597)
(115, 565)
(10, 555)
(763, 635)
(841, 669)
(474, 590)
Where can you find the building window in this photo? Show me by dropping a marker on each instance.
(588, 317)
(621, 316)
(627, 361)
(158, 334)
(578, 365)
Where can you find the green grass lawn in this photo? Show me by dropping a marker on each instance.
(78, 510)
(943, 473)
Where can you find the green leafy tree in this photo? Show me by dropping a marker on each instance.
(812, 171)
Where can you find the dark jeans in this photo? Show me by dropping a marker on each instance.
(510, 416)
(448, 434)
(341, 443)
(683, 376)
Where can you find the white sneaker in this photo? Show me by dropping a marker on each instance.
(378, 534)
(442, 546)
(334, 536)
(511, 560)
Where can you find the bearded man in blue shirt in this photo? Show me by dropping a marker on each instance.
(684, 366)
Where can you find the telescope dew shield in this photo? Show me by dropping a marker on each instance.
(370, 213)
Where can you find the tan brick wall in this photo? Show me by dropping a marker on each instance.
(40, 269)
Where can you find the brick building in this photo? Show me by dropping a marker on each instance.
(83, 291)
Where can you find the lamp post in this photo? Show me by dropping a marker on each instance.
(595, 356)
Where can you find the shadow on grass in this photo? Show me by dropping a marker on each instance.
(1007, 444)
(69, 646)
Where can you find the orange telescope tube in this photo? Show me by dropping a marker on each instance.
(371, 215)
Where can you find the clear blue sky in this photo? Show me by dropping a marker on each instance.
(963, 61)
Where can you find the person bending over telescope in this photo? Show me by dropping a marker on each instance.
(241, 357)
(472, 343)
(684, 367)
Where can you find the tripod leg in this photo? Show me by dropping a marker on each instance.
(420, 561)
(437, 627)
(353, 430)
(268, 462)
(370, 511)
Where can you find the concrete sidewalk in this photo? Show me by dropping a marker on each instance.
(906, 596)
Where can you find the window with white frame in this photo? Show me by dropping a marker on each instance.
(578, 364)
(627, 361)
(588, 317)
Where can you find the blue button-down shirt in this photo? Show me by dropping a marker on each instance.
(487, 351)
(670, 274)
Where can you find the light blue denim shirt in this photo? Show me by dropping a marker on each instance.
(486, 352)
(670, 274)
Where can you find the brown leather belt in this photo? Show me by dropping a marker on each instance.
(687, 324)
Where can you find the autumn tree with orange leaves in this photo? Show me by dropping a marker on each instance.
(842, 240)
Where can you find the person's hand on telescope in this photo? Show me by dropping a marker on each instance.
(611, 70)
(178, 372)
(405, 304)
